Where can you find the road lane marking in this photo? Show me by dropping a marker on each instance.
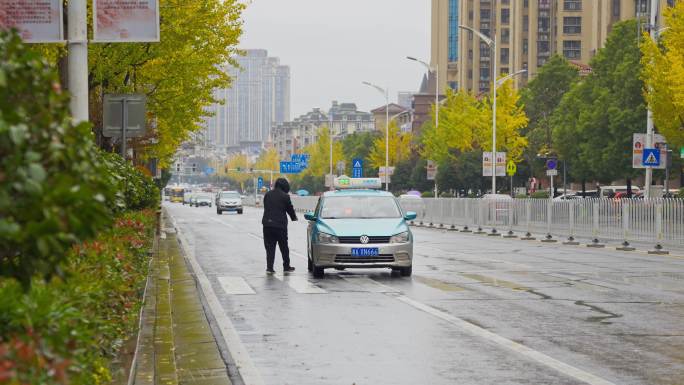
(249, 373)
(523, 350)
(368, 284)
(301, 284)
(235, 286)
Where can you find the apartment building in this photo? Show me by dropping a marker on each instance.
(527, 33)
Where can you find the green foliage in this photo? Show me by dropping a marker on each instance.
(67, 331)
(539, 194)
(595, 120)
(401, 179)
(680, 194)
(541, 97)
(358, 146)
(135, 190)
(52, 190)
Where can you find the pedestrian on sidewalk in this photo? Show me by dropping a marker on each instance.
(277, 205)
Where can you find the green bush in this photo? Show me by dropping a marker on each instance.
(427, 194)
(680, 194)
(539, 194)
(52, 190)
(134, 190)
(67, 331)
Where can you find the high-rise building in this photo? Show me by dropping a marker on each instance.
(258, 99)
(527, 33)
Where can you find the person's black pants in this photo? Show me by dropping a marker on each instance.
(273, 235)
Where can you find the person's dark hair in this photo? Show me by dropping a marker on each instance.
(282, 184)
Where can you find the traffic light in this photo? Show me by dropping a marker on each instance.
(178, 167)
(194, 167)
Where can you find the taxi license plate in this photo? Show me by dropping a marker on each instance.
(365, 252)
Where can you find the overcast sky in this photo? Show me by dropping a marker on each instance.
(333, 45)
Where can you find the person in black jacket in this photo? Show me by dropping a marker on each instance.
(277, 205)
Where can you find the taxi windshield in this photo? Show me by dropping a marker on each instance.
(365, 207)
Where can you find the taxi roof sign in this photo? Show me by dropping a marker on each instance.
(345, 182)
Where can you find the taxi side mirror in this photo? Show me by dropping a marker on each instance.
(310, 216)
(410, 215)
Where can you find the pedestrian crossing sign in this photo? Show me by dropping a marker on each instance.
(651, 157)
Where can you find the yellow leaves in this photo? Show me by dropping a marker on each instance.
(268, 160)
(466, 124)
(319, 163)
(240, 161)
(663, 73)
(399, 147)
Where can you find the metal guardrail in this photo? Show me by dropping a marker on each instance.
(657, 222)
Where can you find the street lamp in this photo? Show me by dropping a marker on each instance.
(491, 43)
(386, 93)
(436, 70)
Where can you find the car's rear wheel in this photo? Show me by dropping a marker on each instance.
(406, 271)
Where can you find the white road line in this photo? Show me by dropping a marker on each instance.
(235, 286)
(301, 284)
(523, 350)
(243, 362)
(368, 284)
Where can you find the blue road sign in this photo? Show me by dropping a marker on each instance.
(260, 183)
(651, 157)
(551, 164)
(209, 170)
(357, 168)
(290, 167)
(301, 158)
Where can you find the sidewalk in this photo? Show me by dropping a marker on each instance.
(176, 343)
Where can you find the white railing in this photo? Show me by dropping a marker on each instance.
(649, 221)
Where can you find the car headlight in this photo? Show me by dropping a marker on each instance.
(400, 238)
(327, 238)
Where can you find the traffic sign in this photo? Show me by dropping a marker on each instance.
(303, 159)
(681, 152)
(639, 143)
(260, 183)
(431, 170)
(551, 164)
(357, 168)
(381, 171)
(551, 172)
(290, 167)
(511, 168)
(487, 164)
(651, 157)
(209, 170)
(341, 165)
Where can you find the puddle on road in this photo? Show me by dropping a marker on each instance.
(437, 284)
(496, 282)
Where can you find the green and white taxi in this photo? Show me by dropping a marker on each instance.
(359, 226)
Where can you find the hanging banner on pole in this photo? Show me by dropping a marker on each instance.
(126, 21)
(487, 164)
(38, 21)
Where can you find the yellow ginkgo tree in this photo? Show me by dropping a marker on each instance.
(319, 162)
(510, 120)
(663, 73)
(399, 147)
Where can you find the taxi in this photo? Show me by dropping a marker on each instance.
(359, 226)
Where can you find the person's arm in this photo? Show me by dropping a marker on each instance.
(290, 209)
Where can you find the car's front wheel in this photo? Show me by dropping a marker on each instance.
(309, 264)
(406, 271)
(218, 212)
(239, 211)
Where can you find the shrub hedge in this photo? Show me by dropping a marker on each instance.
(73, 248)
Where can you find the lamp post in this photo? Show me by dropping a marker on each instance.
(330, 134)
(436, 70)
(385, 92)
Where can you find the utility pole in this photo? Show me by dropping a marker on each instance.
(649, 117)
(78, 59)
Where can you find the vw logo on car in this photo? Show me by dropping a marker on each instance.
(364, 239)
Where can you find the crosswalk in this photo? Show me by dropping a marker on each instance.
(301, 284)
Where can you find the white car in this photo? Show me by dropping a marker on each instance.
(228, 201)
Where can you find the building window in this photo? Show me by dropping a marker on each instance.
(504, 55)
(453, 30)
(542, 46)
(526, 23)
(485, 14)
(572, 25)
(526, 3)
(470, 74)
(505, 35)
(484, 73)
(505, 2)
(526, 46)
(505, 15)
(641, 7)
(572, 49)
(572, 5)
(470, 15)
(504, 71)
(453, 85)
(616, 9)
(470, 54)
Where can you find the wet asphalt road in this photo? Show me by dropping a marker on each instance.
(476, 311)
